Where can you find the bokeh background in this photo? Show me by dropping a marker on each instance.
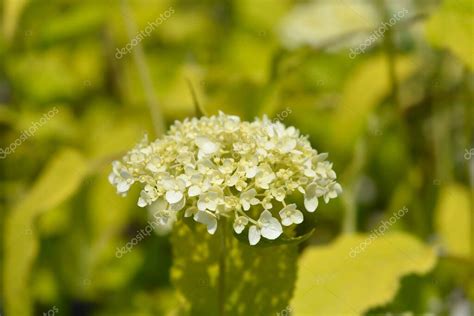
(79, 86)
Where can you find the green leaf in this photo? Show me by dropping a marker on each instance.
(263, 276)
(60, 179)
(452, 27)
(453, 220)
(336, 280)
(283, 240)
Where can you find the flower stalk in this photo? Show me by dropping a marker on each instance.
(221, 291)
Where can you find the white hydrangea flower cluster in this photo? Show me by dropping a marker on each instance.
(216, 167)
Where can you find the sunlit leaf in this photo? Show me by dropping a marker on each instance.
(255, 14)
(452, 27)
(12, 10)
(110, 132)
(108, 216)
(60, 179)
(247, 56)
(60, 73)
(338, 280)
(78, 20)
(453, 218)
(263, 276)
(366, 87)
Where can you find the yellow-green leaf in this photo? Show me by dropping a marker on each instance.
(60, 179)
(263, 276)
(453, 220)
(364, 90)
(336, 280)
(452, 27)
(11, 14)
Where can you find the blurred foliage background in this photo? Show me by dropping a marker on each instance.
(397, 120)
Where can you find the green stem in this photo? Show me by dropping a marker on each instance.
(391, 51)
(197, 106)
(350, 217)
(144, 73)
(348, 180)
(221, 291)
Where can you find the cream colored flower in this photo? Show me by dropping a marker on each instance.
(247, 199)
(240, 223)
(290, 215)
(267, 226)
(215, 167)
(208, 219)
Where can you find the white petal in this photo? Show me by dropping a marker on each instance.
(332, 194)
(249, 194)
(178, 206)
(254, 235)
(190, 211)
(265, 216)
(173, 196)
(238, 228)
(240, 223)
(212, 205)
(168, 184)
(112, 178)
(160, 205)
(206, 145)
(150, 166)
(311, 204)
(272, 230)
(286, 221)
(288, 145)
(297, 217)
(212, 227)
(123, 186)
(251, 172)
(254, 201)
(311, 197)
(141, 202)
(283, 213)
(290, 207)
(208, 220)
(181, 184)
(309, 173)
(194, 190)
(201, 205)
(311, 190)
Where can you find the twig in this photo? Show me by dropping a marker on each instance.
(197, 106)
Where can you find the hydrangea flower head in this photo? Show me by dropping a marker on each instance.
(219, 167)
